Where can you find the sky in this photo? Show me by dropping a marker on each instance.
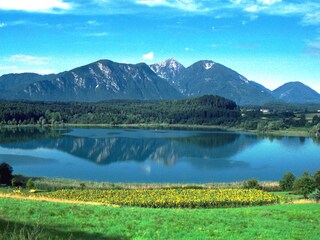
(268, 41)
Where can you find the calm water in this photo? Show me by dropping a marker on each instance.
(136, 155)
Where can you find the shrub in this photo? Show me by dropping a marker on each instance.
(252, 184)
(304, 185)
(30, 183)
(315, 195)
(286, 183)
(5, 174)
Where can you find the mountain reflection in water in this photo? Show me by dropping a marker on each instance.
(186, 151)
(204, 150)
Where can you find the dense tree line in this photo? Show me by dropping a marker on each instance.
(208, 110)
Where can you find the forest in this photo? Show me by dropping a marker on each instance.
(207, 110)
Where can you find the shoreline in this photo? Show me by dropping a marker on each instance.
(293, 132)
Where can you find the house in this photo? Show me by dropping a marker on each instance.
(264, 110)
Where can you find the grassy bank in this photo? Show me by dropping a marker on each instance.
(294, 132)
(52, 184)
(60, 221)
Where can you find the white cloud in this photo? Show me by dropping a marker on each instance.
(98, 34)
(187, 49)
(93, 23)
(311, 18)
(2, 24)
(28, 59)
(313, 47)
(254, 8)
(152, 3)
(148, 56)
(185, 5)
(49, 6)
(269, 2)
(236, 1)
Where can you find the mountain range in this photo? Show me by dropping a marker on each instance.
(106, 80)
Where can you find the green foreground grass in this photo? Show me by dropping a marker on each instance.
(74, 221)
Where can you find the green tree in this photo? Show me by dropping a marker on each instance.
(286, 183)
(304, 185)
(252, 183)
(317, 179)
(302, 120)
(6, 174)
(315, 120)
(42, 121)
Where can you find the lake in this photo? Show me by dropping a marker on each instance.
(157, 155)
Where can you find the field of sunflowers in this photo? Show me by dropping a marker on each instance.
(171, 198)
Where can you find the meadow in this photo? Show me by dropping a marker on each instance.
(69, 209)
(48, 220)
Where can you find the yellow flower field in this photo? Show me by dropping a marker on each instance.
(171, 198)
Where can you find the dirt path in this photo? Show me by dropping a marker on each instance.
(44, 199)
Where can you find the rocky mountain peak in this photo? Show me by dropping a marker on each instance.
(168, 69)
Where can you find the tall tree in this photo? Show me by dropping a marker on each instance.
(5, 173)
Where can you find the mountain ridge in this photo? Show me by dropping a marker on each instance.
(105, 80)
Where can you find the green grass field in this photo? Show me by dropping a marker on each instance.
(48, 220)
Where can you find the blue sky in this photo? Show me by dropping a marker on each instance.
(268, 41)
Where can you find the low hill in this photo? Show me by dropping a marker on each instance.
(296, 92)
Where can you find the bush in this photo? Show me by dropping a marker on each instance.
(30, 183)
(315, 195)
(286, 183)
(317, 179)
(304, 185)
(252, 184)
(5, 174)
